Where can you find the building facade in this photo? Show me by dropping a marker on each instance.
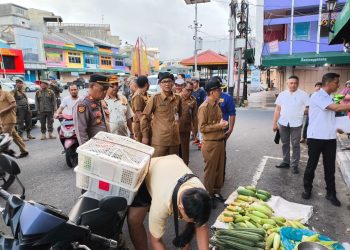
(296, 42)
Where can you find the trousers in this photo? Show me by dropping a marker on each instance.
(24, 120)
(214, 160)
(328, 150)
(46, 118)
(290, 135)
(185, 146)
(10, 129)
(165, 150)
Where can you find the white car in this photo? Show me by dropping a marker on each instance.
(153, 84)
(7, 81)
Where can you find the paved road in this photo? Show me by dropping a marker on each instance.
(48, 179)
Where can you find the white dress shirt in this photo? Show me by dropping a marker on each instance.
(321, 120)
(293, 105)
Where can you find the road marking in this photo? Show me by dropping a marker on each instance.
(261, 168)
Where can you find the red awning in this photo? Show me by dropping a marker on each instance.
(206, 58)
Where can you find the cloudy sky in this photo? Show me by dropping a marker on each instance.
(161, 23)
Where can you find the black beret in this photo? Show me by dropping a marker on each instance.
(214, 83)
(163, 75)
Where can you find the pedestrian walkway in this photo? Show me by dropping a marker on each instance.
(343, 158)
(262, 100)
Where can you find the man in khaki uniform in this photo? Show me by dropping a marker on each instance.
(188, 120)
(138, 104)
(8, 120)
(45, 101)
(164, 110)
(212, 126)
(118, 111)
(88, 115)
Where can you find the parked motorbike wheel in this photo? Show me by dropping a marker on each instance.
(72, 156)
(6, 180)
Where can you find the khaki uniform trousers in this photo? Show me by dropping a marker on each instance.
(214, 159)
(165, 150)
(185, 146)
(10, 129)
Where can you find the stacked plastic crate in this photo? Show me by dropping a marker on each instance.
(110, 164)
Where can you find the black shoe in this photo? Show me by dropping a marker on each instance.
(283, 165)
(306, 195)
(295, 170)
(333, 199)
(23, 154)
(213, 202)
(219, 198)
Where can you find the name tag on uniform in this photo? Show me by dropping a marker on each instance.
(221, 100)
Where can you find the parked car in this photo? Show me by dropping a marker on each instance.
(8, 81)
(80, 82)
(31, 86)
(6, 86)
(153, 84)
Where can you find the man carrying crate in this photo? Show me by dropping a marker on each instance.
(89, 116)
(171, 189)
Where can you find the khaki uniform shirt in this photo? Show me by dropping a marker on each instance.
(45, 101)
(189, 115)
(161, 179)
(166, 111)
(89, 119)
(6, 99)
(20, 97)
(209, 117)
(119, 112)
(138, 104)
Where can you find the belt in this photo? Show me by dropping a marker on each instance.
(215, 140)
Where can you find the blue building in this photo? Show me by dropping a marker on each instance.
(296, 42)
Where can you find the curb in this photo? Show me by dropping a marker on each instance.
(343, 160)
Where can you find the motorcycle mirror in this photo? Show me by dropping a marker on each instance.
(112, 204)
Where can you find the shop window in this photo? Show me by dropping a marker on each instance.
(8, 62)
(106, 60)
(275, 32)
(119, 62)
(74, 57)
(302, 31)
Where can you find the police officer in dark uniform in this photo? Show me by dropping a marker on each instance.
(23, 111)
(88, 115)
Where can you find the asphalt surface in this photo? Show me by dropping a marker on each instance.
(48, 179)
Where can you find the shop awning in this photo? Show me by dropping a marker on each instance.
(341, 26)
(84, 70)
(306, 59)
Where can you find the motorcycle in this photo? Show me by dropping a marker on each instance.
(6, 158)
(68, 139)
(91, 224)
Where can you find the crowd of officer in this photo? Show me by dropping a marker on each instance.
(167, 119)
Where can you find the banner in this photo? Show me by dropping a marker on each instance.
(273, 46)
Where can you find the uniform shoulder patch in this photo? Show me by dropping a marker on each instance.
(81, 108)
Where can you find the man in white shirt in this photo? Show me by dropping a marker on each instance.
(291, 105)
(321, 136)
(69, 102)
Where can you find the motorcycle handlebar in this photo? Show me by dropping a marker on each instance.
(4, 194)
(104, 241)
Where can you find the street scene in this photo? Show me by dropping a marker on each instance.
(229, 132)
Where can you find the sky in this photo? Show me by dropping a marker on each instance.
(162, 24)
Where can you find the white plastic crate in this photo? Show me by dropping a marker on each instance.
(115, 158)
(98, 188)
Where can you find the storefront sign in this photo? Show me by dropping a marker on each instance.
(315, 60)
(273, 46)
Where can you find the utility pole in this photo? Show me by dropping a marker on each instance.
(195, 38)
(243, 33)
(245, 67)
(232, 47)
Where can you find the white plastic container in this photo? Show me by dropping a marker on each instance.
(98, 187)
(115, 158)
